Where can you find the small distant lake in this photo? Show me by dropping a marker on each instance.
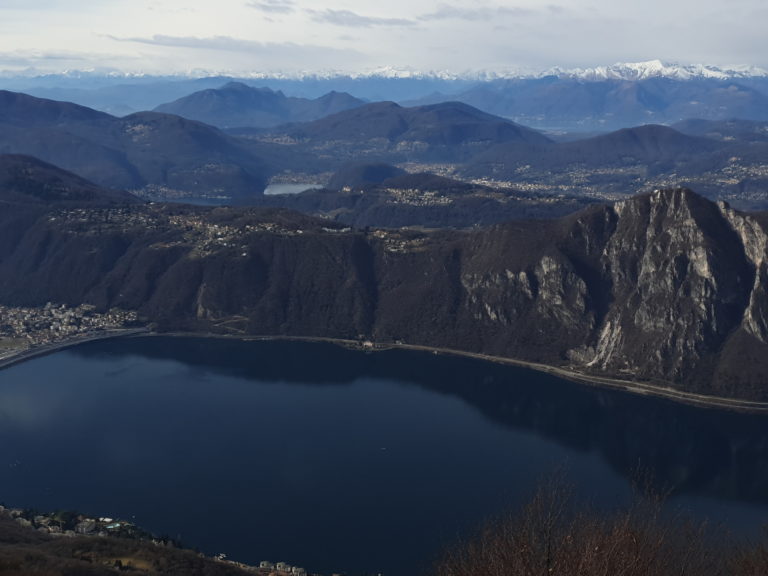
(343, 461)
(273, 189)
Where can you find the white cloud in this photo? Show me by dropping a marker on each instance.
(354, 20)
(58, 60)
(474, 13)
(234, 55)
(424, 34)
(212, 43)
(274, 6)
(229, 44)
(35, 5)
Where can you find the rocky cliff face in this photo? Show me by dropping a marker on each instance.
(755, 242)
(665, 287)
(679, 280)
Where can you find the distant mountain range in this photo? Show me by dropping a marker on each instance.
(623, 70)
(235, 105)
(600, 98)
(571, 103)
(164, 156)
(664, 289)
(603, 98)
(633, 71)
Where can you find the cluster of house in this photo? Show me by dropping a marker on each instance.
(283, 568)
(55, 322)
(208, 237)
(70, 524)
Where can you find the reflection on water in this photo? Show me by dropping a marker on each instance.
(687, 449)
(341, 460)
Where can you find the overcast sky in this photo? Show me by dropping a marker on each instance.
(244, 36)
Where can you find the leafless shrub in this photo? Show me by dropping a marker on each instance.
(550, 537)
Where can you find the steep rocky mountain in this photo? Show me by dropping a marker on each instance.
(143, 151)
(667, 287)
(238, 105)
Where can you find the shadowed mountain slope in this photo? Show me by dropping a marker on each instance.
(385, 131)
(24, 179)
(447, 123)
(142, 151)
(648, 145)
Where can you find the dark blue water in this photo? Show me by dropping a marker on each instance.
(342, 461)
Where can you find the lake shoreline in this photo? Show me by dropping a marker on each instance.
(628, 386)
(38, 351)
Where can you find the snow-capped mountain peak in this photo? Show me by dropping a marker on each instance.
(633, 71)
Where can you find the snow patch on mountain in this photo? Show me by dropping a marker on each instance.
(627, 71)
(634, 71)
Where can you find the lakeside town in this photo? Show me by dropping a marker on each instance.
(25, 329)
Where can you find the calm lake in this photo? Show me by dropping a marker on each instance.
(289, 188)
(342, 461)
